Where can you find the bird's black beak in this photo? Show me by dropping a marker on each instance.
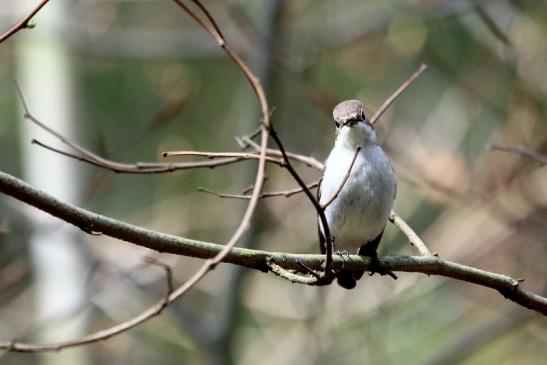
(353, 121)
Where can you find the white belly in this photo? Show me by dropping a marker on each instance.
(360, 212)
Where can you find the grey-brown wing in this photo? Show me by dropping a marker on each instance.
(322, 240)
(395, 182)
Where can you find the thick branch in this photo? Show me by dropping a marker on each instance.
(91, 222)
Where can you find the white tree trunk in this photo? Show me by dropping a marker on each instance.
(43, 70)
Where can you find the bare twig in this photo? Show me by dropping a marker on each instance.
(213, 155)
(157, 167)
(413, 238)
(290, 275)
(491, 25)
(307, 160)
(168, 276)
(213, 31)
(524, 151)
(89, 157)
(257, 259)
(337, 192)
(259, 180)
(327, 274)
(399, 91)
(155, 310)
(219, 36)
(92, 158)
(267, 194)
(241, 140)
(143, 167)
(24, 23)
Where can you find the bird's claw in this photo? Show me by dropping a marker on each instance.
(343, 254)
(380, 268)
(376, 266)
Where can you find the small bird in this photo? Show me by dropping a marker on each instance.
(358, 215)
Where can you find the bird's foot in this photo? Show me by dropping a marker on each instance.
(343, 254)
(376, 266)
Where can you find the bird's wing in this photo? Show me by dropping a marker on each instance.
(322, 240)
(395, 189)
(394, 181)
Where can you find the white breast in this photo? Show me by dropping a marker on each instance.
(360, 212)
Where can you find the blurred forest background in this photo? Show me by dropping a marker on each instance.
(130, 79)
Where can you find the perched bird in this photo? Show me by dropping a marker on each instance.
(358, 215)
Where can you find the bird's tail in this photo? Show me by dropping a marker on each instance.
(346, 279)
(358, 274)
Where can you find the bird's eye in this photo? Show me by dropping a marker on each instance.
(337, 123)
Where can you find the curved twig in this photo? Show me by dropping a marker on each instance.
(522, 151)
(413, 238)
(143, 167)
(266, 194)
(214, 155)
(329, 245)
(337, 192)
(423, 67)
(307, 160)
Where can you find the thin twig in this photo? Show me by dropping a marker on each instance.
(307, 160)
(413, 238)
(259, 180)
(346, 177)
(136, 168)
(267, 194)
(168, 277)
(157, 167)
(253, 80)
(24, 23)
(491, 25)
(212, 21)
(89, 157)
(524, 151)
(142, 167)
(16, 346)
(213, 155)
(241, 140)
(327, 277)
(292, 276)
(423, 67)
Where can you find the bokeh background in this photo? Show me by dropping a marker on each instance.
(130, 79)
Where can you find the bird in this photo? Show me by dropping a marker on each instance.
(356, 208)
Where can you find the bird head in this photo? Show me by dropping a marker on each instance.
(352, 125)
